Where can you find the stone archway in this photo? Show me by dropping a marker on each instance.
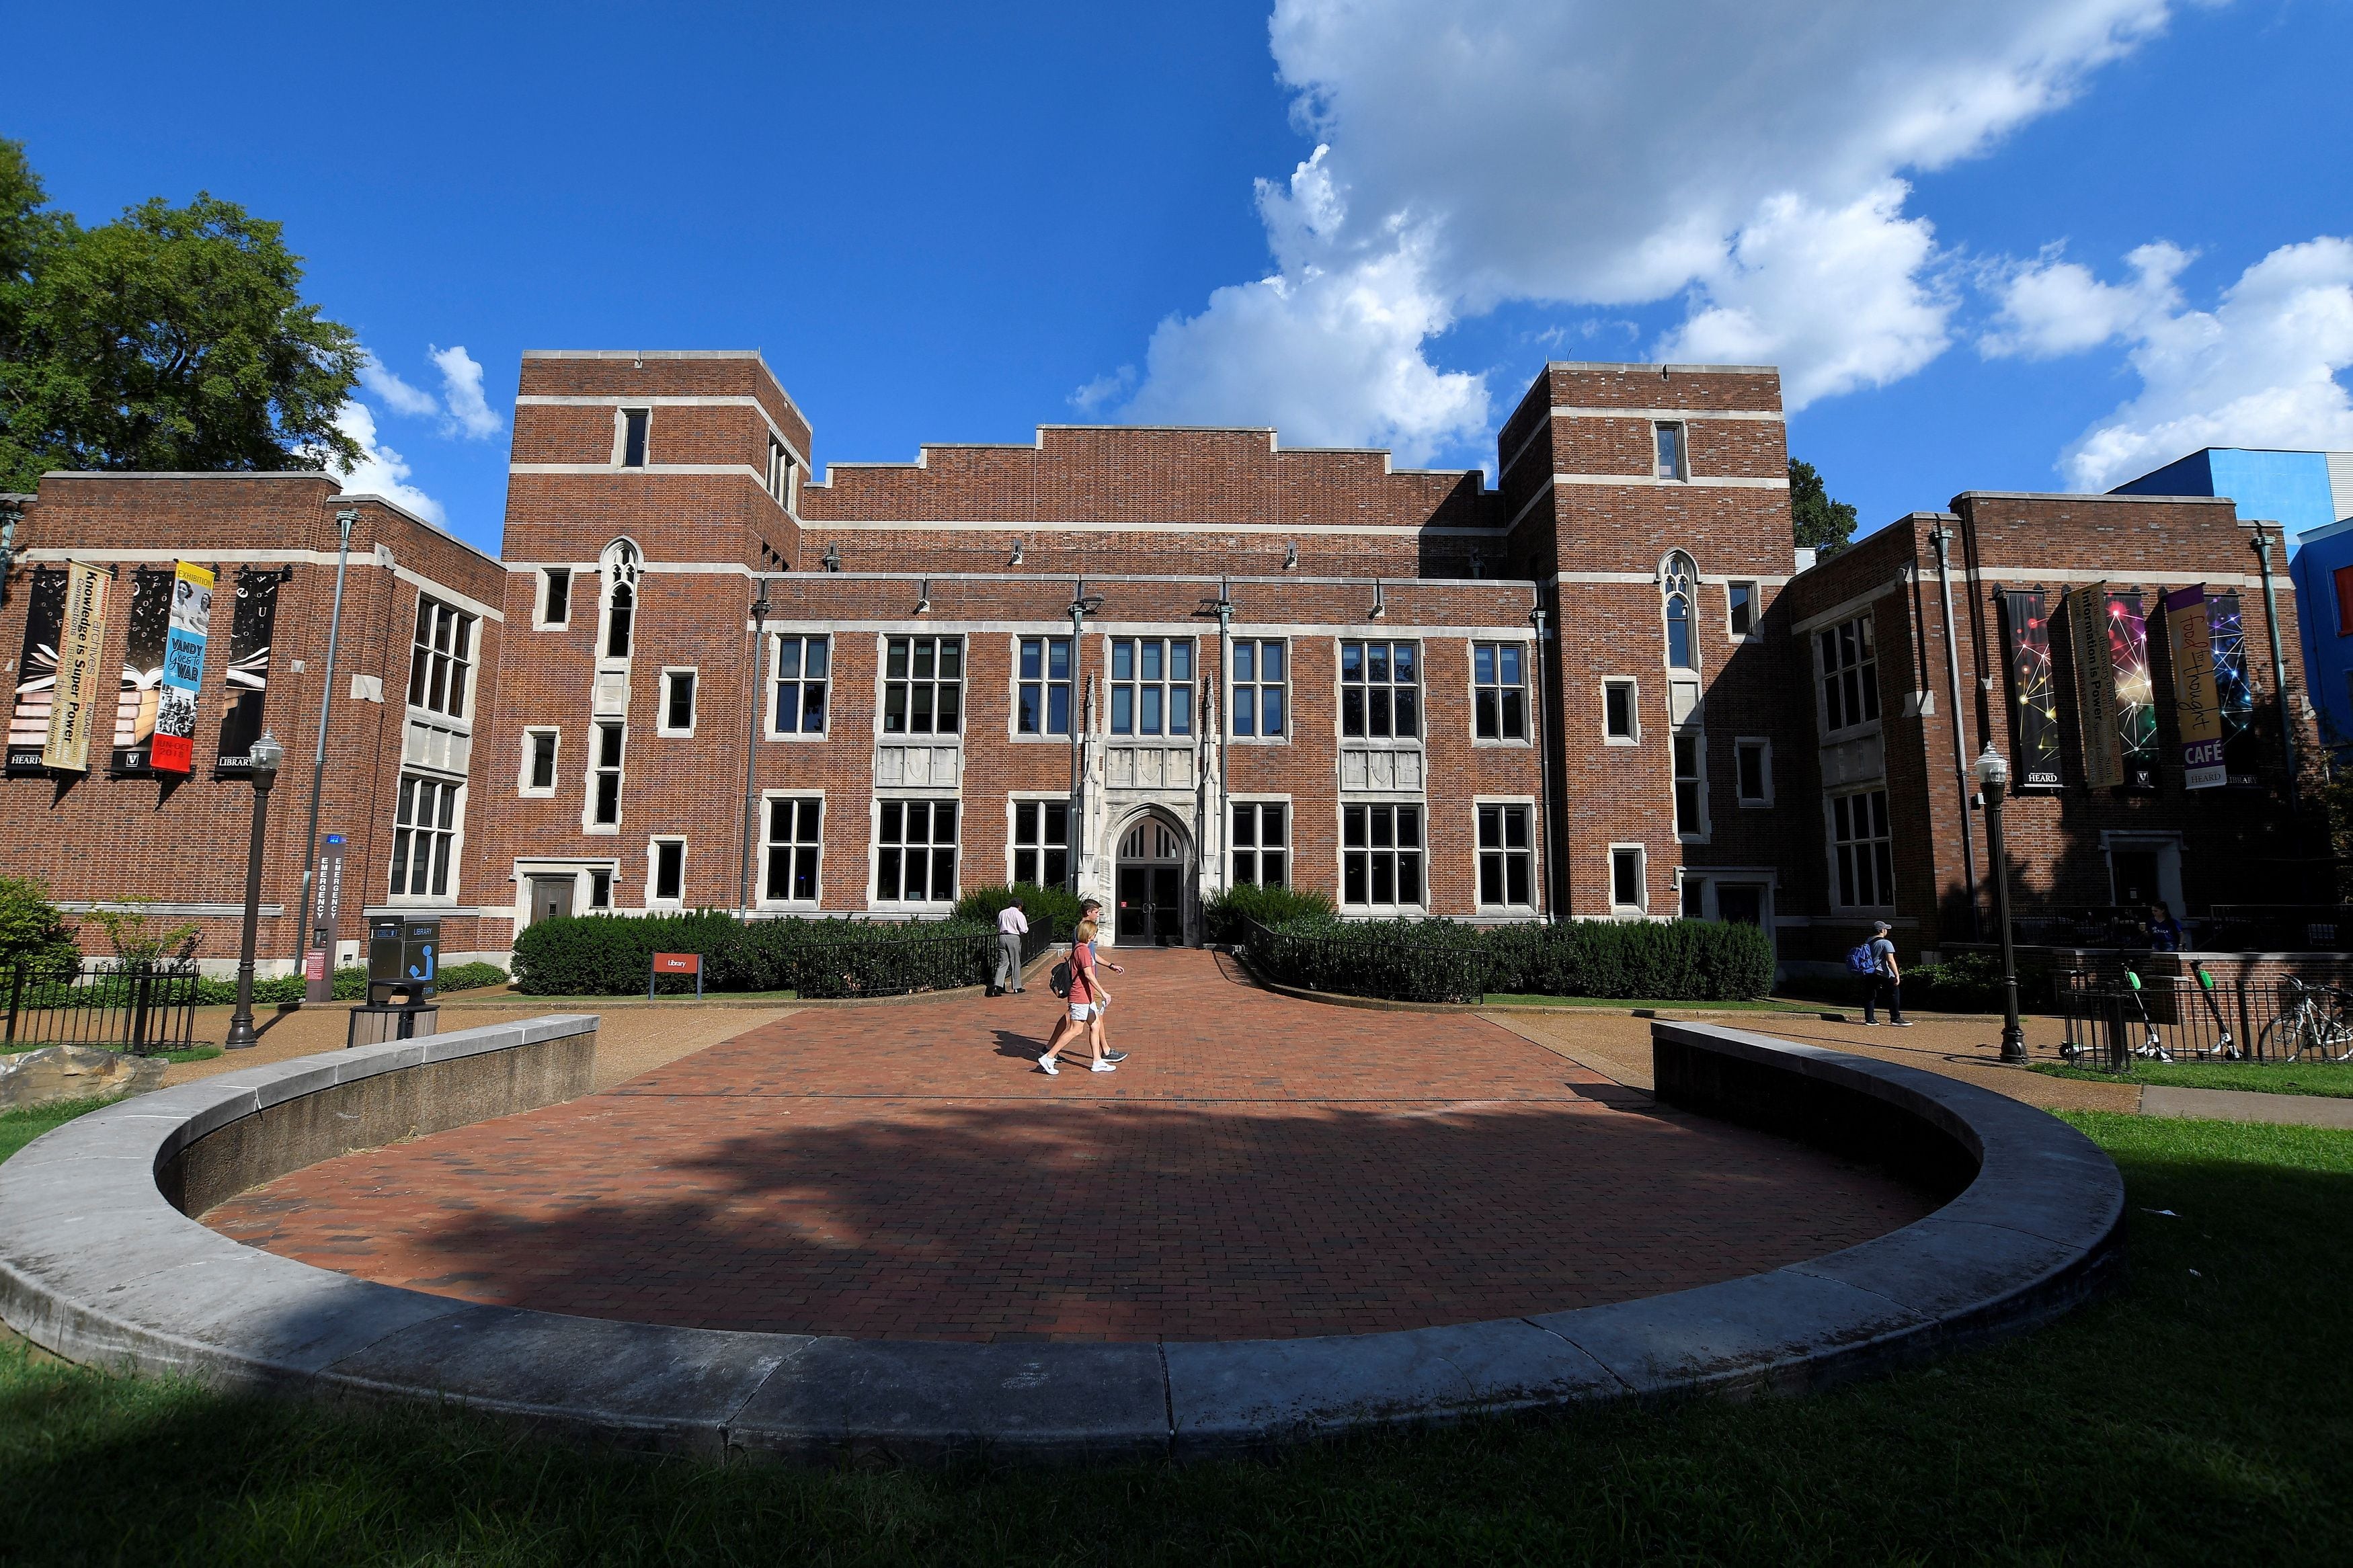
(1151, 879)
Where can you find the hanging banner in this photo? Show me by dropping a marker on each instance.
(2189, 649)
(2135, 692)
(76, 711)
(2034, 701)
(2234, 694)
(174, 750)
(142, 668)
(36, 670)
(2086, 611)
(252, 625)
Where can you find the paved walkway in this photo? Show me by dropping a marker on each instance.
(1260, 1166)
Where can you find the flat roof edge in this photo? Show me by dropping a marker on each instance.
(1772, 370)
(2085, 496)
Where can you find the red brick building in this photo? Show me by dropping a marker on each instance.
(1150, 662)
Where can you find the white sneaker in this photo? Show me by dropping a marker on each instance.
(1105, 1067)
(1046, 1065)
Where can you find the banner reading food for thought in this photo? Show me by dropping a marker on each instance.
(2095, 685)
(76, 710)
(2034, 700)
(184, 669)
(2198, 715)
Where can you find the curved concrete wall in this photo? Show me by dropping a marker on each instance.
(98, 1266)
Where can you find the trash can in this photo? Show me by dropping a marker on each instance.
(372, 1024)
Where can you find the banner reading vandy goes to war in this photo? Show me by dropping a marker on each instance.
(75, 711)
(184, 669)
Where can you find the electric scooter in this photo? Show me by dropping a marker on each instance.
(2150, 1045)
(2224, 1046)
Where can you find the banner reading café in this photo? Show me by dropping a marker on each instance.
(1150, 662)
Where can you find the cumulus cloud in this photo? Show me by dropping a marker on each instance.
(381, 471)
(461, 392)
(394, 392)
(2264, 368)
(1747, 159)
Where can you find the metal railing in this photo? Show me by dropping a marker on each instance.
(2113, 1020)
(143, 1008)
(2277, 928)
(1357, 961)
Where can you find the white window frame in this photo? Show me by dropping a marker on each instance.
(882, 681)
(768, 691)
(620, 771)
(1258, 848)
(1821, 679)
(1041, 799)
(1633, 686)
(1831, 841)
(1420, 693)
(662, 725)
(1045, 684)
(1165, 684)
(543, 585)
(1682, 448)
(654, 846)
(620, 564)
(1698, 738)
(612, 875)
(780, 474)
(1764, 745)
(524, 786)
(454, 789)
(768, 844)
(1641, 853)
(459, 691)
(874, 901)
(1756, 609)
(1527, 702)
(621, 437)
(1256, 685)
(1534, 853)
(1420, 905)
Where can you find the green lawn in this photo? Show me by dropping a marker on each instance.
(19, 1127)
(2331, 1079)
(2204, 1417)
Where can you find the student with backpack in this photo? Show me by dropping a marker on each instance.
(1083, 994)
(1875, 963)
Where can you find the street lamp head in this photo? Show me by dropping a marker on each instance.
(264, 755)
(1992, 769)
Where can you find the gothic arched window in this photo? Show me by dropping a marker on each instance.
(1676, 580)
(619, 570)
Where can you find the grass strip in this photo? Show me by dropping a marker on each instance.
(2203, 1417)
(2330, 1081)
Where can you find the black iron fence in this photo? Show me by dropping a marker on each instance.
(2114, 1019)
(145, 1008)
(2277, 928)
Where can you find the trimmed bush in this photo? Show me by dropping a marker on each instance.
(610, 955)
(1446, 961)
(1046, 909)
(1229, 911)
(1400, 961)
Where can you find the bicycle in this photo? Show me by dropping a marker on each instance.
(2316, 1018)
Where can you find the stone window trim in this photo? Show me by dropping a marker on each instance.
(1258, 806)
(1861, 858)
(1166, 700)
(1670, 449)
(910, 690)
(633, 437)
(1393, 820)
(1761, 747)
(609, 750)
(1041, 848)
(551, 608)
(1246, 673)
(1739, 594)
(782, 474)
(1632, 686)
(441, 661)
(1845, 657)
(931, 902)
(1688, 766)
(1530, 851)
(771, 845)
(619, 570)
(1501, 690)
(666, 697)
(1622, 855)
(526, 779)
(429, 839)
(1389, 696)
(661, 867)
(805, 641)
(1018, 685)
(1679, 583)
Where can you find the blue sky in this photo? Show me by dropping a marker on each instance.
(953, 223)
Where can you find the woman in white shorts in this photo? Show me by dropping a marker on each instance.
(1083, 1000)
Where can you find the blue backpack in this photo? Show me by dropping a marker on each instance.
(1862, 961)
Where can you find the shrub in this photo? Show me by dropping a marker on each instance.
(1226, 914)
(1965, 982)
(30, 926)
(610, 955)
(137, 939)
(1046, 909)
(1446, 961)
(1401, 961)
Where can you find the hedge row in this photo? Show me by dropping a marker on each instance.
(1445, 961)
(351, 985)
(610, 955)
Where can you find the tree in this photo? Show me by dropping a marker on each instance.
(173, 338)
(30, 926)
(1816, 521)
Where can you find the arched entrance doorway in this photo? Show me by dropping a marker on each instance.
(1149, 885)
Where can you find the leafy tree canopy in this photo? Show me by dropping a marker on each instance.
(1826, 524)
(173, 338)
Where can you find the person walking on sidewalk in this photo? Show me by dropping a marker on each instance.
(1012, 925)
(1887, 979)
(1081, 1000)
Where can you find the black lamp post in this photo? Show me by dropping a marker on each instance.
(1993, 780)
(263, 758)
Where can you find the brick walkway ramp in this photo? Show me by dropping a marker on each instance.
(1260, 1167)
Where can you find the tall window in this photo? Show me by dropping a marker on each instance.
(1042, 842)
(605, 778)
(1690, 784)
(1753, 764)
(1506, 857)
(1673, 458)
(799, 667)
(1675, 583)
(1849, 674)
(1152, 686)
(1262, 844)
(620, 574)
(916, 852)
(670, 871)
(677, 701)
(1042, 700)
(795, 839)
(424, 836)
(1259, 686)
(1626, 878)
(780, 473)
(1380, 689)
(1865, 857)
(923, 686)
(442, 659)
(1740, 603)
(1499, 690)
(555, 597)
(633, 437)
(1380, 856)
(600, 889)
(539, 762)
(1618, 720)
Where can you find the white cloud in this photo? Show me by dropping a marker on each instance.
(2264, 368)
(381, 471)
(1104, 389)
(396, 395)
(462, 391)
(1747, 158)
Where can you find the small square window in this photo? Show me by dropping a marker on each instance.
(633, 437)
(1742, 598)
(1618, 720)
(555, 597)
